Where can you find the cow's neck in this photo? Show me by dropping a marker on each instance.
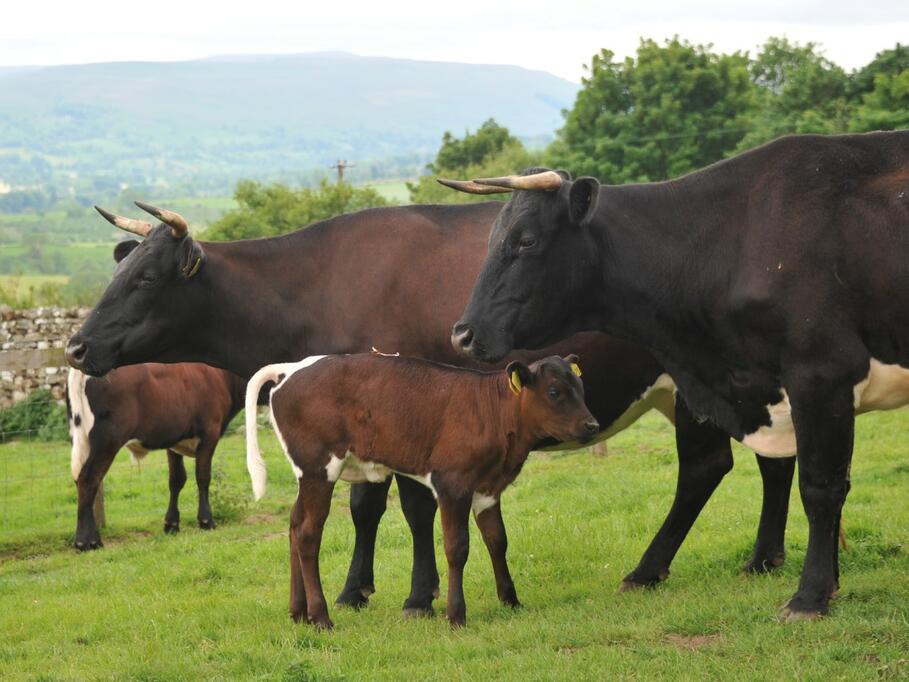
(257, 302)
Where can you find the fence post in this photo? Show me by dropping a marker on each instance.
(98, 508)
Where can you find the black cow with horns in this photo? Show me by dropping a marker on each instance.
(771, 286)
(396, 279)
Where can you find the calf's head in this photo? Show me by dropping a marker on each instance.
(151, 302)
(551, 399)
(533, 287)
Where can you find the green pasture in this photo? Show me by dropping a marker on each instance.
(394, 191)
(213, 605)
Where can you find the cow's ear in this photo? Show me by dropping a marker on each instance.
(573, 362)
(519, 376)
(123, 249)
(583, 196)
(193, 255)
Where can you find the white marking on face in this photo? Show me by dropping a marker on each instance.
(481, 503)
(78, 403)
(885, 388)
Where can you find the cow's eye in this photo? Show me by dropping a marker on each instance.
(554, 393)
(147, 280)
(526, 242)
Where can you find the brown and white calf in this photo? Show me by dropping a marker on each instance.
(463, 433)
(184, 408)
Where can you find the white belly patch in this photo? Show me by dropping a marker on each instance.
(885, 388)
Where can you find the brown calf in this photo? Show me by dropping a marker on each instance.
(464, 434)
(182, 407)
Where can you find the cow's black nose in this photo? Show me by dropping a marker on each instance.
(75, 354)
(592, 426)
(461, 337)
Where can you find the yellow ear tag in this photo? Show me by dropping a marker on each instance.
(514, 383)
(576, 368)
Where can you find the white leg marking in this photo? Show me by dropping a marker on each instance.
(335, 467)
(79, 407)
(482, 502)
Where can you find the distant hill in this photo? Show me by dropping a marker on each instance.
(87, 130)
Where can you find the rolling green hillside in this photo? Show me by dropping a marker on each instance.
(86, 131)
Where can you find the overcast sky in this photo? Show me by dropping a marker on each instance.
(558, 36)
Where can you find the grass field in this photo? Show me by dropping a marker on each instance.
(212, 605)
(394, 190)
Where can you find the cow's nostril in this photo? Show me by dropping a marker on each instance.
(592, 426)
(462, 336)
(75, 354)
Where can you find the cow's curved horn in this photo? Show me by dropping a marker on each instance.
(177, 222)
(139, 227)
(470, 187)
(547, 181)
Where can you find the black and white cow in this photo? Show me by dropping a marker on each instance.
(773, 287)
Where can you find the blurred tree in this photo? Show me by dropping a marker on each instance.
(268, 210)
(673, 108)
(883, 88)
(798, 91)
(491, 150)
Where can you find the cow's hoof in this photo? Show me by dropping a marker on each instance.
(171, 528)
(207, 524)
(321, 623)
(354, 599)
(88, 545)
(793, 612)
(632, 583)
(457, 622)
(410, 612)
(764, 563)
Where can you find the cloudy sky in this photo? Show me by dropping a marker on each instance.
(558, 36)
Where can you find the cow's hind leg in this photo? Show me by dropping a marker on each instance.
(770, 549)
(176, 480)
(419, 507)
(492, 527)
(297, 590)
(316, 500)
(204, 454)
(704, 458)
(367, 505)
(824, 418)
(100, 458)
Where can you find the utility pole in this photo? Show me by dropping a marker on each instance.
(340, 167)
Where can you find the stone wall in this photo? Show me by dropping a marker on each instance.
(36, 328)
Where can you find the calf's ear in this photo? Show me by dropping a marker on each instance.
(573, 361)
(124, 248)
(519, 375)
(583, 196)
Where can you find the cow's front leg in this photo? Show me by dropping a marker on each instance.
(492, 527)
(101, 456)
(770, 548)
(455, 514)
(704, 458)
(367, 504)
(419, 507)
(823, 414)
(176, 480)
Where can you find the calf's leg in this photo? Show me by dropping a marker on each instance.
(316, 500)
(176, 480)
(367, 505)
(419, 507)
(770, 549)
(93, 471)
(824, 418)
(704, 458)
(297, 591)
(455, 513)
(492, 527)
(204, 453)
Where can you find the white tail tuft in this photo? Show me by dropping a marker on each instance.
(80, 410)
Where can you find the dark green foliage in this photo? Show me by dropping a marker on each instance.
(883, 86)
(38, 416)
(490, 151)
(672, 108)
(269, 210)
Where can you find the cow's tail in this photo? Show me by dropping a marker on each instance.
(254, 462)
(80, 420)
